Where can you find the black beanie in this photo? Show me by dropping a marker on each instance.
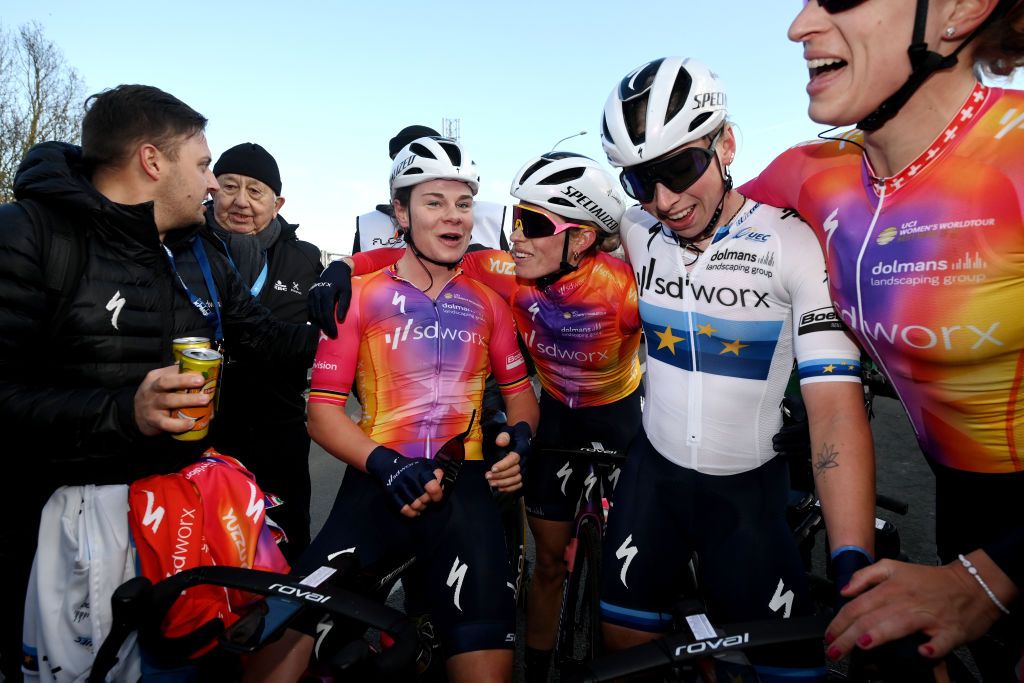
(407, 135)
(249, 159)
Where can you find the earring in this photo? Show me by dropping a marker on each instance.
(575, 256)
(950, 31)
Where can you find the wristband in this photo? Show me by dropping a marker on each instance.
(973, 571)
(854, 548)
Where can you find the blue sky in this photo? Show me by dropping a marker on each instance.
(324, 85)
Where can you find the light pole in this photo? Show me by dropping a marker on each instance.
(567, 137)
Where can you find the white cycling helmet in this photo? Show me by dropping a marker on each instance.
(660, 106)
(573, 186)
(433, 158)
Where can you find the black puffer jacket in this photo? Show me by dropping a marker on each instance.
(266, 392)
(66, 399)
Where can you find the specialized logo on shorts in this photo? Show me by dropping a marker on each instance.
(323, 629)
(455, 578)
(782, 601)
(589, 482)
(115, 305)
(626, 552)
(564, 473)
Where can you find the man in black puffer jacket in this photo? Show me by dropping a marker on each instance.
(88, 388)
(262, 419)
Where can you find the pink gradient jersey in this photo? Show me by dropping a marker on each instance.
(582, 332)
(419, 365)
(927, 269)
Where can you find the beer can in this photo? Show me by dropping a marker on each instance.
(182, 343)
(207, 363)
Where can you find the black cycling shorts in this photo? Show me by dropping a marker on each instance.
(749, 566)
(553, 484)
(460, 551)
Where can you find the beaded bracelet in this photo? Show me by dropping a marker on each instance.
(973, 571)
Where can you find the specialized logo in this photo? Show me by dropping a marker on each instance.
(589, 205)
(782, 601)
(346, 551)
(588, 483)
(564, 473)
(323, 629)
(399, 300)
(626, 552)
(534, 309)
(830, 225)
(455, 578)
(153, 516)
(613, 476)
(709, 100)
(115, 305)
(824, 319)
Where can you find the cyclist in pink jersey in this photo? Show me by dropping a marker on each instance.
(919, 213)
(575, 307)
(419, 340)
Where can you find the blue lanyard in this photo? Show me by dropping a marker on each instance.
(210, 314)
(261, 279)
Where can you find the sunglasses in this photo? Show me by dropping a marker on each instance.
(837, 6)
(536, 223)
(676, 172)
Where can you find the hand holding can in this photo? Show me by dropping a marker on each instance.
(207, 363)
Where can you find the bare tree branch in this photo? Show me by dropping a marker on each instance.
(40, 98)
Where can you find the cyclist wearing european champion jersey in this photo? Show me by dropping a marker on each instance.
(576, 309)
(420, 340)
(919, 214)
(730, 292)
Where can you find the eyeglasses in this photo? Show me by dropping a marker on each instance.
(676, 172)
(837, 6)
(536, 223)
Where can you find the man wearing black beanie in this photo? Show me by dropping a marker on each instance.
(261, 420)
(377, 228)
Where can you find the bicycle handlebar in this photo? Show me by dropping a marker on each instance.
(595, 455)
(139, 605)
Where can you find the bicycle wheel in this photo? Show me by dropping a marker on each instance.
(579, 629)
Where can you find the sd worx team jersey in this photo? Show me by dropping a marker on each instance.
(722, 337)
(419, 364)
(582, 332)
(927, 269)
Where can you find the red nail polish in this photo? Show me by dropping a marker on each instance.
(829, 638)
(834, 653)
(864, 640)
(929, 651)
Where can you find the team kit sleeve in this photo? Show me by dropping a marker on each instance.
(334, 368)
(779, 183)
(493, 268)
(507, 362)
(823, 349)
(366, 262)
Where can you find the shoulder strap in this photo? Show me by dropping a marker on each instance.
(64, 254)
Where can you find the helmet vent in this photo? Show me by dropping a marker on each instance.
(541, 163)
(680, 93)
(699, 120)
(561, 201)
(634, 112)
(565, 176)
(604, 127)
(453, 152)
(421, 151)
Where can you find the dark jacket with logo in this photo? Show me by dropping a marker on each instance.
(266, 392)
(67, 385)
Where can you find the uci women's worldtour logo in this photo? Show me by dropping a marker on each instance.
(912, 230)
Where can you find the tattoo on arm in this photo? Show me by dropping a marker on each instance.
(825, 459)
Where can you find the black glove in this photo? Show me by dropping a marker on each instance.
(333, 287)
(403, 478)
(520, 438)
(847, 561)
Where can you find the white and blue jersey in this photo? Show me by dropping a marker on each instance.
(722, 334)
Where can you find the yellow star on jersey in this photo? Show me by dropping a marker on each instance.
(668, 340)
(830, 368)
(706, 329)
(733, 347)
